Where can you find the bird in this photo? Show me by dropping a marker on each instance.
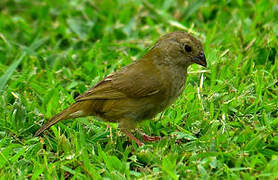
(140, 90)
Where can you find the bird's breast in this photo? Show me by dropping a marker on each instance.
(174, 84)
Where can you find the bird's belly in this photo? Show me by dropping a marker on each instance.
(133, 109)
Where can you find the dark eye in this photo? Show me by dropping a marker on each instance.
(187, 48)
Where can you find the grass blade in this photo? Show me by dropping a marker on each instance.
(6, 76)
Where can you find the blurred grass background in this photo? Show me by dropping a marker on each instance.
(223, 126)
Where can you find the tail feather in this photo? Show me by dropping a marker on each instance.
(71, 112)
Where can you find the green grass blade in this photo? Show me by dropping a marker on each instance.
(6, 76)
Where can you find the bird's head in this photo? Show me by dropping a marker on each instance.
(180, 48)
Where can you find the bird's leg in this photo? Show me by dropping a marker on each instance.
(138, 142)
(108, 128)
(148, 138)
(125, 125)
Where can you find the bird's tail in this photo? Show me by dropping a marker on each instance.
(71, 112)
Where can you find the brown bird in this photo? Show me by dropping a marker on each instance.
(142, 89)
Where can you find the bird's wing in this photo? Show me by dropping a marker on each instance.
(130, 82)
(102, 90)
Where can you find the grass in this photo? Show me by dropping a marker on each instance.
(223, 126)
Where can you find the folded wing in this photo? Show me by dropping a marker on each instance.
(131, 82)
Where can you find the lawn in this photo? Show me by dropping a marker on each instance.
(224, 125)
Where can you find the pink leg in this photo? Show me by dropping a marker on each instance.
(138, 142)
(107, 127)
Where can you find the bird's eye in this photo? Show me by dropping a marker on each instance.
(187, 48)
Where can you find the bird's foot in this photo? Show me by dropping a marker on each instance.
(148, 138)
(151, 138)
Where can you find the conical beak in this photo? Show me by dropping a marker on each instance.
(201, 60)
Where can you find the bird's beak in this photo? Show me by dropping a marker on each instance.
(201, 60)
